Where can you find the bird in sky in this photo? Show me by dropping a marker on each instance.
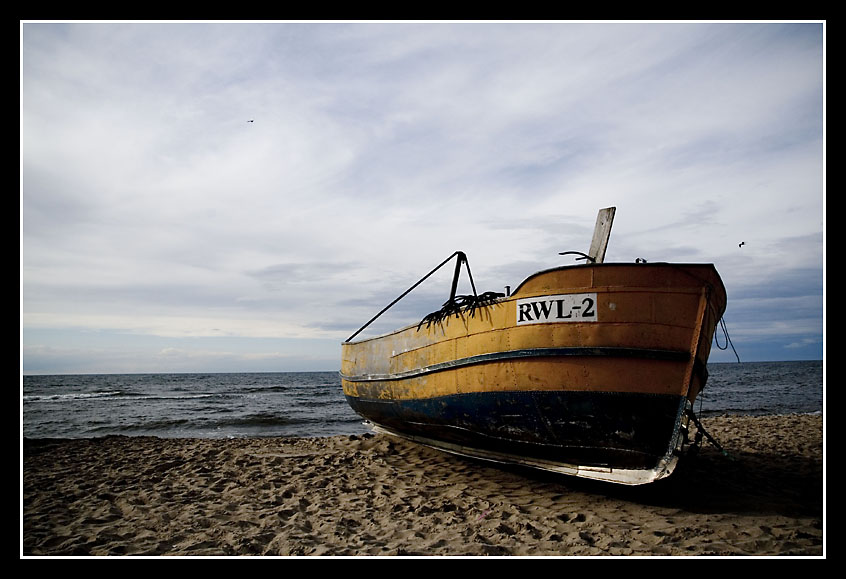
(741, 244)
(250, 121)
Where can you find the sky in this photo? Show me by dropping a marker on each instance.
(243, 196)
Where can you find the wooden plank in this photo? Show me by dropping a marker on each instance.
(601, 233)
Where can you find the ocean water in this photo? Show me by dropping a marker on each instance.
(187, 405)
(308, 404)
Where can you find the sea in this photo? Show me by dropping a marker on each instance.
(312, 404)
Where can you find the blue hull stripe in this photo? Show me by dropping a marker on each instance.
(589, 428)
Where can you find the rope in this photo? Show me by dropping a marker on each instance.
(728, 340)
(460, 303)
(700, 432)
(455, 304)
(406, 292)
(584, 256)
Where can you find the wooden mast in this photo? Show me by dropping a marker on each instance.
(601, 233)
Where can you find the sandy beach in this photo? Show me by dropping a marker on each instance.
(382, 496)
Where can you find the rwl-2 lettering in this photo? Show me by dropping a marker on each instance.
(557, 308)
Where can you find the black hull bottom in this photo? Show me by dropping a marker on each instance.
(590, 429)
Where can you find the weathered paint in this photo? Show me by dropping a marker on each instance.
(648, 341)
(629, 438)
(601, 233)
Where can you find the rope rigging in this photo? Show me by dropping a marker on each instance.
(728, 339)
(458, 304)
(454, 305)
(701, 432)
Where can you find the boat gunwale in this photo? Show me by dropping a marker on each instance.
(513, 295)
(662, 264)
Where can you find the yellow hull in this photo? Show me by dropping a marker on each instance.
(569, 344)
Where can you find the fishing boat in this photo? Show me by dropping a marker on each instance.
(588, 369)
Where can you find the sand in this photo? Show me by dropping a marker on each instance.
(382, 496)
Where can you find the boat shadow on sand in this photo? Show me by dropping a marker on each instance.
(713, 482)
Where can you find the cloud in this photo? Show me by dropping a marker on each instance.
(150, 205)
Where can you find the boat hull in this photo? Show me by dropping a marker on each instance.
(586, 370)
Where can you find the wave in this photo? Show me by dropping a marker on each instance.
(114, 394)
(70, 396)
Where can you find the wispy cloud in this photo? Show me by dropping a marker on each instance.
(234, 179)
